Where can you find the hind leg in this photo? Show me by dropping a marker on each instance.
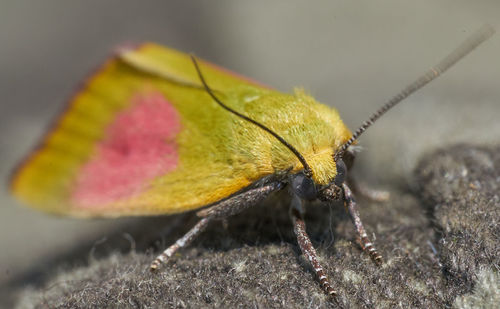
(220, 211)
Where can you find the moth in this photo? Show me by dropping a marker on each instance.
(156, 131)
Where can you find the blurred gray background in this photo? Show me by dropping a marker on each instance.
(350, 54)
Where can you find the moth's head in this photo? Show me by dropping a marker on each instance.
(305, 187)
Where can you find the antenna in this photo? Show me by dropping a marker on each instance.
(478, 37)
(307, 168)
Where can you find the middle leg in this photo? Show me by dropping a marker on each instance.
(299, 227)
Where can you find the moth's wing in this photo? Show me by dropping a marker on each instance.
(140, 137)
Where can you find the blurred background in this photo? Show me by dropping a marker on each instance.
(351, 55)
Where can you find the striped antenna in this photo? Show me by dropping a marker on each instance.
(478, 37)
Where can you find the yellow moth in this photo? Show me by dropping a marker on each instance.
(155, 131)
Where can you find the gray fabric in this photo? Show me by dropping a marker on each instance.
(440, 245)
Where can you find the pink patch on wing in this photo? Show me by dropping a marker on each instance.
(139, 146)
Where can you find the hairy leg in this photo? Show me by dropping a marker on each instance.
(180, 243)
(240, 202)
(299, 227)
(370, 193)
(220, 211)
(364, 242)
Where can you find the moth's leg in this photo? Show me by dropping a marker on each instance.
(240, 202)
(220, 211)
(370, 193)
(299, 227)
(363, 240)
(180, 243)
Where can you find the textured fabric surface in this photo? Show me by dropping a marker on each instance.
(439, 244)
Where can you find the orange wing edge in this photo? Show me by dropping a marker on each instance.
(55, 123)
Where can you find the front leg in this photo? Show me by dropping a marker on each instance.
(370, 193)
(364, 242)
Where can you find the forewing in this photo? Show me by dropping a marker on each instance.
(140, 137)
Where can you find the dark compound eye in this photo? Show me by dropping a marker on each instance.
(304, 187)
(341, 172)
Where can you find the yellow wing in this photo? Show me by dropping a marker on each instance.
(143, 137)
